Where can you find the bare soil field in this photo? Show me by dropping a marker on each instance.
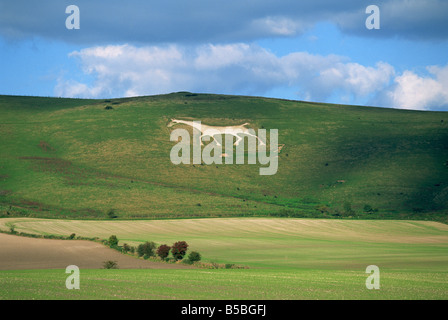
(19, 253)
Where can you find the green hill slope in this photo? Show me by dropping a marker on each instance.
(75, 158)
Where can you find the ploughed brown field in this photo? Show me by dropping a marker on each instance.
(32, 253)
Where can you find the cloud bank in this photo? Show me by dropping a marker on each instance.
(126, 70)
(411, 91)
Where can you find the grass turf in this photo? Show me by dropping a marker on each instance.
(72, 158)
(223, 285)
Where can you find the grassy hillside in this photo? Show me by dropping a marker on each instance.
(72, 158)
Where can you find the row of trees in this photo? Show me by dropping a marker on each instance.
(149, 249)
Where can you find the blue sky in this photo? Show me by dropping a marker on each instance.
(303, 50)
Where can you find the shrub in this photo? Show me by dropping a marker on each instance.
(336, 213)
(126, 248)
(113, 241)
(323, 209)
(194, 256)
(140, 250)
(72, 236)
(179, 249)
(368, 209)
(146, 249)
(111, 214)
(163, 251)
(110, 264)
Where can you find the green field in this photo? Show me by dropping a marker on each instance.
(356, 186)
(288, 259)
(223, 285)
(72, 158)
(275, 242)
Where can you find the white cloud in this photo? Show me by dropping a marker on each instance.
(411, 91)
(233, 68)
(241, 68)
(357, 78)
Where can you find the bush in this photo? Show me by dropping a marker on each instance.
(163, 251)
(72, 236)
(146, 249)
(179, 249)
(126, 248)
(113, 241)
(111, 214)
(140, 250)
(194, 256)
(110, 264)
(323, 209)
(368, 209)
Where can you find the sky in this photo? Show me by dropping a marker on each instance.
(311, 50)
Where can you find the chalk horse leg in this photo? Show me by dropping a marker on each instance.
(200, 139)
(237, 142)
(252, 135)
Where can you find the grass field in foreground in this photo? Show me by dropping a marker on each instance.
(254, 284)
(288, 259)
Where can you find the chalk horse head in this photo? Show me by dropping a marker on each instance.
(172, 123)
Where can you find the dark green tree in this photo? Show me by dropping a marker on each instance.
(146, 249)
(194, 256)
(113, 241)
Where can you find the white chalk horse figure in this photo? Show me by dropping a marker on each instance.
(207, 130)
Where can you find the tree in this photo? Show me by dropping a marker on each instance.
(163, 251)
(179, 249)
(113, 241)
(146, 249)
(194, 256)
(126, 248)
